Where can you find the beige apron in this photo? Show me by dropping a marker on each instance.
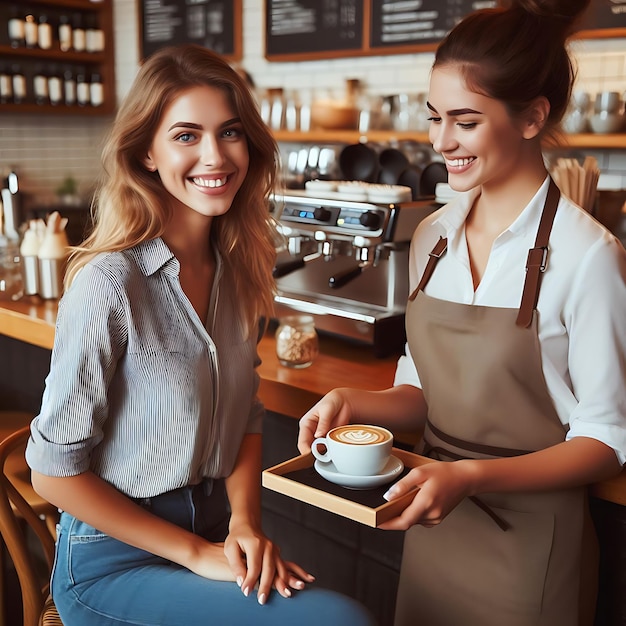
(510, 559)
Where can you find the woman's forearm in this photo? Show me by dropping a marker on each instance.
(579, 461)
(401, 408)
(95, 502)
(243, 485)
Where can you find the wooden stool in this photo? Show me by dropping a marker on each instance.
(16, 517)
(18, 471)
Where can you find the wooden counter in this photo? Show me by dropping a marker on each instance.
(283, 390)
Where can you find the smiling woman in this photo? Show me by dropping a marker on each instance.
(517, 306)
(201, 163)
(149, 434)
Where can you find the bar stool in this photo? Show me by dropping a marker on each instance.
(15, 517)
(18, 472)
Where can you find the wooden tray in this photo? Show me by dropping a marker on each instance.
(298, 479)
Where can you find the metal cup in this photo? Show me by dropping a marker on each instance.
(30, 275)
(51, 274)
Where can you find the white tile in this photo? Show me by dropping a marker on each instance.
(617, 159)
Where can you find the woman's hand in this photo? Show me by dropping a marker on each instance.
(400, 408)
(440, 486)
(254, 559)
(332, 410)
(209, 561)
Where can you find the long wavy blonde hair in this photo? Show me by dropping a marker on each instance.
(128, 208)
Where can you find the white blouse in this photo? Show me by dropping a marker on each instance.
(582, 305)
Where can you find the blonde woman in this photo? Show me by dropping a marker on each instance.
(149, 435)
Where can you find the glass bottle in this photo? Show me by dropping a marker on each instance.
(18, 83)
(16, 28)
(96, 91)
(55, 86)
(65, 33)
(78, 33)
(31, 31)
(82, 88)
(40, 86)
(297, 343)
(6, 86)
(44, 33)
(94, 36)
(69, 86)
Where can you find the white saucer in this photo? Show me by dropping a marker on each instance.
(391, 470)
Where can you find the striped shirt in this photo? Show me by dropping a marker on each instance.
(140, 391)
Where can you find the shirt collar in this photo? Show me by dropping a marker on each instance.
(152, 255)
(452, 219)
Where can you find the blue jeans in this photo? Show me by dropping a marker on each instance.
(98, 580)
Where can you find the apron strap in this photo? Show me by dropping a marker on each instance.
(536, 262)
(433, 257)
(538, 259)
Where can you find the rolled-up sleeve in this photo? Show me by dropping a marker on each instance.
(89, 340)
(596, 319)
(406, 373)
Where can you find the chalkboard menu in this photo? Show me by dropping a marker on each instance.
(409, 22)
(318, 29)
(604, 18)
(214, 24)
(313, 26)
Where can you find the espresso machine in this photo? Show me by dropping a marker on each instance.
(345, 262)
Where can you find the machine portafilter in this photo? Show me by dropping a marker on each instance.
(365, 255)
(314, 248)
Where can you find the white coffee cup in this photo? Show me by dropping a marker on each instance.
(355, 449)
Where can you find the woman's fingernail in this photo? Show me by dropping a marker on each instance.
(246, 591)
(261, 598)
(239, 581)
(288, 592)
(299, 585)
(389, 494)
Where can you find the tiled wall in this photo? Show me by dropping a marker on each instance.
(45, 149)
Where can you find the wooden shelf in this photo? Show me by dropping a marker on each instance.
(591, 140)
(80, 5)
(54, 54)
(587, 140)
(102, 63)
(60, 109)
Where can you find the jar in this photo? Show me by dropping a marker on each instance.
(296, 341)
(11, 286)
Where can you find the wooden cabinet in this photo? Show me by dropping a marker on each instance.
(90, 69)
(587, 140)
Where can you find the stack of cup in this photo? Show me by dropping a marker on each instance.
(44, 252)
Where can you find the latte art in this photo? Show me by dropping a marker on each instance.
(359, 436)
(355, 449)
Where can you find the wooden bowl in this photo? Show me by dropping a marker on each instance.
(331, 115)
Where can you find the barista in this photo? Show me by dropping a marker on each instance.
(516, 361)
